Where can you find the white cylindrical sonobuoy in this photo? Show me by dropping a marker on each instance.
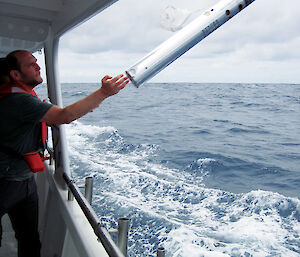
(183, 40)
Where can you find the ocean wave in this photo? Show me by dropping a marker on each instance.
(173, 207)
(258, 223)
(250, 130)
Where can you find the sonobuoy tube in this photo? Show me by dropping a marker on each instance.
(185, 39)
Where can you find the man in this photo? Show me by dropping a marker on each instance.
(21, 116)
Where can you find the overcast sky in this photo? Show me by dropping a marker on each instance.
(259, 45)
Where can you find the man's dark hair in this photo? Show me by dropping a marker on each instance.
(12, 61)
(3, 71)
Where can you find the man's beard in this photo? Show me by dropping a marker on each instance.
(31, 81)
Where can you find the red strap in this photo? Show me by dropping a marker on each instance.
(34, 93)
(44, 128)
(44, 132)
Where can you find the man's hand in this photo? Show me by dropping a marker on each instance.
(112, 86)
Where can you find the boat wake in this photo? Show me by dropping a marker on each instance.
(173, 208)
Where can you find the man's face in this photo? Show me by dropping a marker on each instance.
(29, 69)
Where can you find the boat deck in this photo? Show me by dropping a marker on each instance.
(9, 243)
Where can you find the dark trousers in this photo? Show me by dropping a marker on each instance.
(19, 199)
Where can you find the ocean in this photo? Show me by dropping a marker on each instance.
(199, 169)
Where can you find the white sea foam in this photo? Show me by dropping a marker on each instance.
(258, 229)
(203, 221)
(205, 160)
(185, 242)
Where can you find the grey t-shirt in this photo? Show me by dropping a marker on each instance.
(20, 130)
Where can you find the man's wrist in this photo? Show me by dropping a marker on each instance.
(103, 94)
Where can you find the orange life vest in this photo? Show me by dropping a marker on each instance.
(34, 159)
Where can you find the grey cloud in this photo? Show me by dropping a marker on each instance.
(122, 28)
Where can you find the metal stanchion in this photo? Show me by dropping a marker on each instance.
(123, 227)
(70, 195)
(88, 193)
(161, 252)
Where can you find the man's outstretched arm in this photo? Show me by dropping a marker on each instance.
(110, 86)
